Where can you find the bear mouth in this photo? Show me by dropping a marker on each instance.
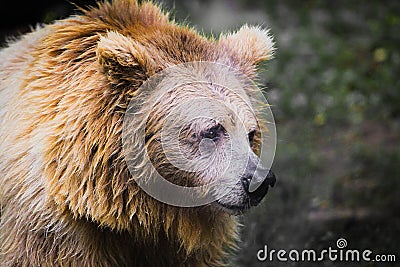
(232, 209)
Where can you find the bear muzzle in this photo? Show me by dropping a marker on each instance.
(256, 180)
(258, 194)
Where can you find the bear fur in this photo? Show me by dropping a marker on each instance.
(67, 198)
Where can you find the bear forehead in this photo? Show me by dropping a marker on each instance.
(230, 105)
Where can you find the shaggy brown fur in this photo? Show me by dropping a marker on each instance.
(67, 197)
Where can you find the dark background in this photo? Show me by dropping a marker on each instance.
(335, 93)
(19, 16)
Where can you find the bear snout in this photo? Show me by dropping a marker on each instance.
(258, 194)
(256, 180)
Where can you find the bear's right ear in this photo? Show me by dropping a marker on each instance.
(123, 59)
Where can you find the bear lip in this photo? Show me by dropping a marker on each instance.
(232, 209)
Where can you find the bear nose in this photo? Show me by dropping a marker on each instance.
(258, 194)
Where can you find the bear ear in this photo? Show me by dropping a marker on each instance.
(123, 59)
(250, 43)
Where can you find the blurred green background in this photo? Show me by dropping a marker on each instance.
(335, 93)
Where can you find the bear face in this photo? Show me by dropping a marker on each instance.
(201, 130)
(119, 53)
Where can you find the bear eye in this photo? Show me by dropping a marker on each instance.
(251, 136)
(213, 133)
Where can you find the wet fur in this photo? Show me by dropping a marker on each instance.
(67, 197)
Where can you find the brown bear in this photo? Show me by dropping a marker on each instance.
(67, 195)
